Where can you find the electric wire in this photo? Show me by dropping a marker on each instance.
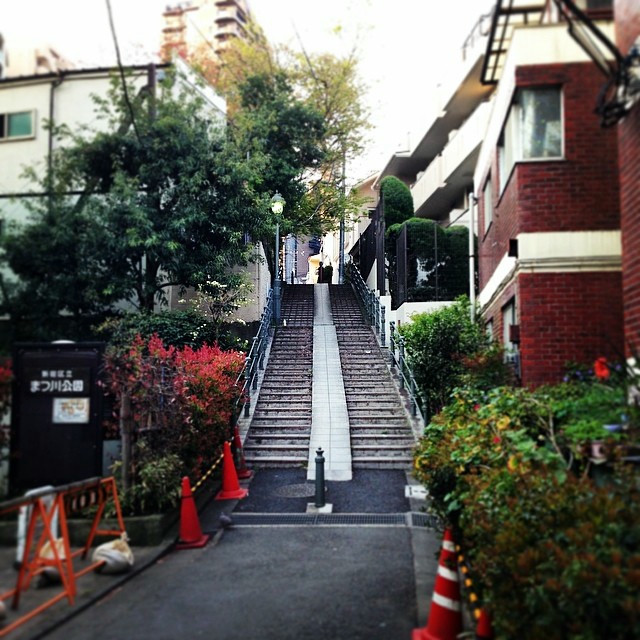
(121, 68)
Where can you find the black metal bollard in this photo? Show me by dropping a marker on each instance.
(319, 478)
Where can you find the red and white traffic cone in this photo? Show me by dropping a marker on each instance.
(243, 472)
(445, 615)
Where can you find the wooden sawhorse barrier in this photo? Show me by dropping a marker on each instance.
(67, 500)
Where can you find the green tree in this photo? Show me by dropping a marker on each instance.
(436, 344)
(396, 199)
(302, 111)
(164, 202)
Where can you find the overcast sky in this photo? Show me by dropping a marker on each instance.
(405, 47)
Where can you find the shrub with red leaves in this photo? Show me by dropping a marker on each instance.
(179, 402)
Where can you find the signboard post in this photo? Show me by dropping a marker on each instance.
(56, 434)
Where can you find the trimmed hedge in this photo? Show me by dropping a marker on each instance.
(397, 200)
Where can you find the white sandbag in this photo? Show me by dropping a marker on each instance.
(117, 556)
(50, 573)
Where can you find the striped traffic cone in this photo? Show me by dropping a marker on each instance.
(445, 617)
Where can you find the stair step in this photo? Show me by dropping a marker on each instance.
(276, 461)
(376, 447)
(275, 449)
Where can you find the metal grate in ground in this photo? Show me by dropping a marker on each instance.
(335, 519)
(425, 520)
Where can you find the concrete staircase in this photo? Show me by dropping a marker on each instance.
(381, 436)
(281, 424)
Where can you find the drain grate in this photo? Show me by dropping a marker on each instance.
(335, 519)
(425, 520)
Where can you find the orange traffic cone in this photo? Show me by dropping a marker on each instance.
(230, 485)
(483, 628)
(445, 617)
(243, 472)
(191, 536)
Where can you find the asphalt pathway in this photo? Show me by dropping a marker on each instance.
(288, 491)
(275, 583)
(308, 582)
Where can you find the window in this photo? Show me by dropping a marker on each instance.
(489, 330)
(508, 320)
(487, 197)
(533, 129)
(541, 123)
(16, 125)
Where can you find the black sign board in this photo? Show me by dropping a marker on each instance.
(56, 434)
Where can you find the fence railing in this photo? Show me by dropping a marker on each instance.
(254, 362)
(375, 313)
(376, 316)
(406, 378)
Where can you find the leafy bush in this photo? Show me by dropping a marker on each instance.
(436, 345)
(437, 260)
(555, 549)
(397, 200)
(170, 402)
(477, 431)
(558, 556)
(176, 328)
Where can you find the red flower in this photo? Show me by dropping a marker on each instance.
(497, 439)
(601, 368)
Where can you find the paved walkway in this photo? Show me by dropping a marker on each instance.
(330, 420)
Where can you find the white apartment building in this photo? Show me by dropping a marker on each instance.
(29, 102)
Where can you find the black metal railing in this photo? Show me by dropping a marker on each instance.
(375, 313)
(254, 362)
(406, 378)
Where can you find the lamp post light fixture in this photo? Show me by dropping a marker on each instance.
(277, 206)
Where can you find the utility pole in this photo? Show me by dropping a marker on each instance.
(472, 267)
(344, 191)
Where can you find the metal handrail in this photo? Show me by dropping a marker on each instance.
(375, 312)
(376, 315)
(405, 374)
(254, 362)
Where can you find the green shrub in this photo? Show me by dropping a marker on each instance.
(176, 328)
(554, 550)
(397, 200)
(558, 557)
(436, 345)
(437, 260)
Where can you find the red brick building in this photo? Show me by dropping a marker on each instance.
(627, 25)
(547, 183)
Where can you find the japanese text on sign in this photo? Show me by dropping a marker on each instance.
(58, 380)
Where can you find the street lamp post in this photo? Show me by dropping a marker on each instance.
(277, 206)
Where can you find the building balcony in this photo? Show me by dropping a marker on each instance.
(453, 102)
(450, 174)
(229, 28)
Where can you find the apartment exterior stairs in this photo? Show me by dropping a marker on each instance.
(279, 432)
(381, 436)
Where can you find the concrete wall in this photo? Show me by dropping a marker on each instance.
(404, 312)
